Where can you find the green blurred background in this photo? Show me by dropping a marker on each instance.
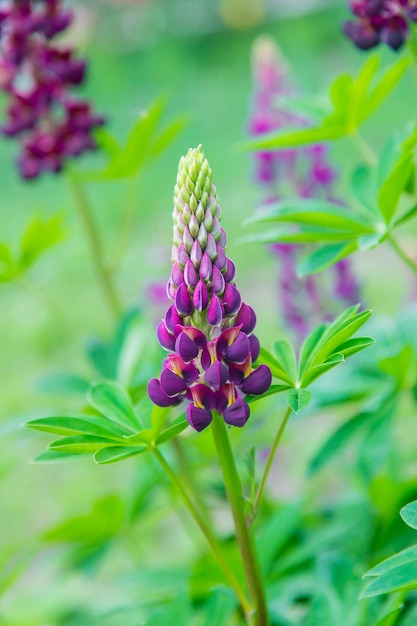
(196, 53)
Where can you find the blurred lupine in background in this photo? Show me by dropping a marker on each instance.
(208, 331)
(380, 21)
(304, 172)
(38, 78)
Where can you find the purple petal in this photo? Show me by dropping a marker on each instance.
(172, 318)
(222, 241)
(186, 347)
(165, 338)
(246, 318)
(158, 397)
(198, 418)
(183, 301)
(190, 275)
(221, 259)
(205, 359)
(183, 255)
(203, 396)
(196, 254)
(195, 334)
(216, 375)
(215, 311)
(190, 373)
(237, 413)
(231, 299)
(177, 275)
(230, 273)
(171, 290)
(239, 351)
(225, 396)
(217, 281)
(255, 347)
(171, 383)
(211, 247)
(258, 382)
(200, 296)
(206, 267)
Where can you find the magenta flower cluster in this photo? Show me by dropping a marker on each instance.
(208, 330)
(38, 77)
(304, 172)
(385, 21)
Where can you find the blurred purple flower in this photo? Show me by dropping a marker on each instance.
(208, 330)
(38, 78)
(305, 172)
(385, 21)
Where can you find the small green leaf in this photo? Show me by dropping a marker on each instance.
(314, 213)
(117, 453)
(401, 558)
(399, 578)
(409, 514)
(81, 443)
(175, 429)
(6, 263)
(112, 401)
(286, 358)
(364, 188)
(277, 369)
(298, 399)
(325, 257)
(384, 87)
(59, 456)
(87, 425)
(39, 236)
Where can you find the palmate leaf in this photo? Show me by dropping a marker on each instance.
(327, 346)
(114, 435)
(144, 143)
(351, 102)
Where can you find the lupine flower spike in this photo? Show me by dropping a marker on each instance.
(207, 330)
(38, 77)
(380, 21)
(304, 172)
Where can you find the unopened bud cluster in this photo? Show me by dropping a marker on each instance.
(207, 330)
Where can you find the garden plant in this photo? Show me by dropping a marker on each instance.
(241, 447)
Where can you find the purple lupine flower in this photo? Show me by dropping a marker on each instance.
(207, 330)
(385, 21)
(38, 78)
(304, 172)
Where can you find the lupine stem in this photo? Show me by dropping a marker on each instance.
(207, 532)
(243, 533)
(402, 255)
(103, 274)
(269, 462)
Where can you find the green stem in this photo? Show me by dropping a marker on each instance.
(400, 252)
(243, 533)
(103, 274)
(364, 149)
(187, 475)
(207, 532)
(269, 462)
(127, 222)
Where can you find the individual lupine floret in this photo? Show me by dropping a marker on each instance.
(208, 330)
